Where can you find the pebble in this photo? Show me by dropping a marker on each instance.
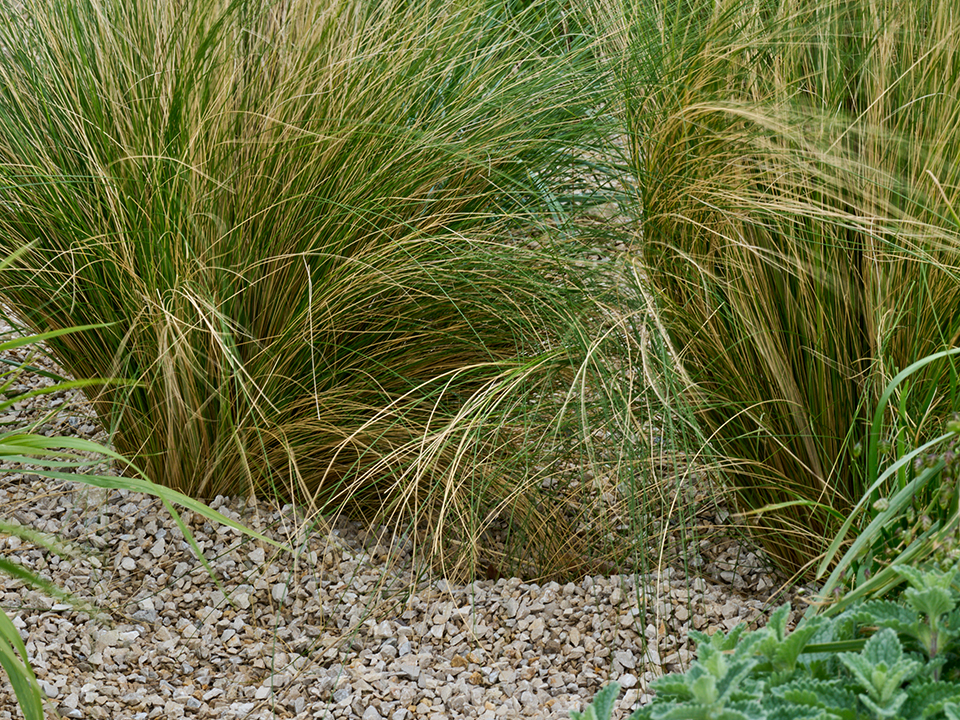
(294, 639)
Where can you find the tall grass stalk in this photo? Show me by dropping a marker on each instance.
(290, 217)
(793, 165)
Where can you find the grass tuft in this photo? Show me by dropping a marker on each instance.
(289, 219)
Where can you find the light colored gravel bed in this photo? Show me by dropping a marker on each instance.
(294, 638)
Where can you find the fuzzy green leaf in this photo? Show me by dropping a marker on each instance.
(18, 670)
(887, 710)
(602, 705)
(881, 668)
(828, 695)
(721, 642)
(784, 657)
(926, 699)
(704, 690)
(792, 712)
(887, 614)
(883, 649)
(931, 602)
(676, 685)
(693, 711)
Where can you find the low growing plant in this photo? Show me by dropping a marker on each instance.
(878, 659)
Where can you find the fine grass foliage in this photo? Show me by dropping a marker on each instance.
(914, 521)
(288, 220)
(792, 167)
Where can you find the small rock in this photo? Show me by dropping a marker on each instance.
(107, 639)
(146, 616)
(625, 658)
(536, 629)
(172, 709)
(159, 548)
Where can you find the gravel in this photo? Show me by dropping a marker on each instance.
(341, 630)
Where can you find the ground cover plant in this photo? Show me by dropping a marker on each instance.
(792, 169)
(878, 659)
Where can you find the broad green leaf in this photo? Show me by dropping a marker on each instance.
(933, 602)
(692, 711)
(889, 709)
(827, 694)
(704, 689)
(887, 614)
(883, 648)
(18, 670)
(929, 698)
(674, 685)
(930, 592)
(786, 653)
(602, 705)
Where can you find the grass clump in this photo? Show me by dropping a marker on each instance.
(287, 219)
(792, 167)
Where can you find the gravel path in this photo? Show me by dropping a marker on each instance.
(296, 638)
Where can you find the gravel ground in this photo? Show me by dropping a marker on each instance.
(282, 638)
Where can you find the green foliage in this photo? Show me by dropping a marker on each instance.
(792, 168)
(916, 522)
(18, 670)
(291, 219)
(875, 660)
(881, 669)
(602, 705)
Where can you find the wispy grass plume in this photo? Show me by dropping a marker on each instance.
(793, 165)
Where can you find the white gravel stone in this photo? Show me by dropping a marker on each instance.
(279, 592)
